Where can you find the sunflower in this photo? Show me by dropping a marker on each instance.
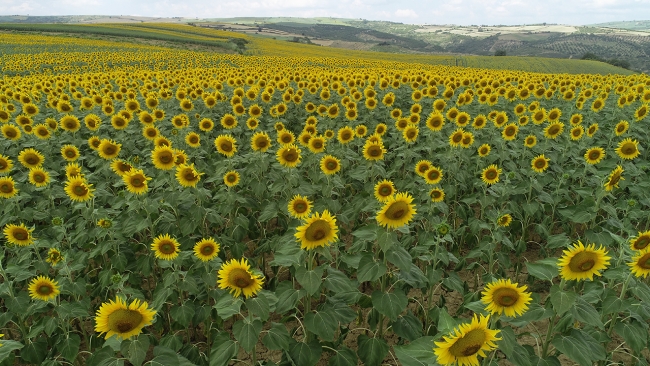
(640, 265)
(433, 175)
(228, 121)
(109, 149)
(43, 288)
(318, 230)
(18, 235)
(435, 121)
(70, 152)
(187, 176)
(397, 211)
(594, 155)
(11, 132)
(539, 116)
(553, 130)
(614, 178)
(422, 166)
(288, 155)
(260, 142)
(490, 175)
(78, 189)
(360, 131)
(437, 194)
(206, 125)
(384, 190)
(193, 139)
(316, 144)
(509, 132)
(540, 163)
(299, 207)
(70, 123)
(467, 342)
(503, 296)
(462, 119)
(597, 105)
(5, 164)
(39, 177)
(484, 150)
(591, 131)
(119, 122)
(580, 262)
(206, 249)
(237, 277)
(373, 151)
(530, 141)
(628, 149)
(641, 241)
(135, 181)
(641, 112)
(116, 318)
(226, 145)
(330, 164)
(621, 128)
(73, 170)
(54, 256)
(31, 158)
(231, 178)
(165, 247)
(42, 132)
(479, 122)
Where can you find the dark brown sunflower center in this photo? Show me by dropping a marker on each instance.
(457, 138)
(594, 155)
(43, 132)
(469, 344)
(411, 134)
(614, 180)
(397, 210)
(20, 234)
(231, 178)
(641, 242)
(207, 249)
(38, 177)
(505, 297)
(32, 160)
(286, 139)
(510, 131)
(45, 289)
(591, 130)
(80, 190)
(628, 148)
(553, 130)
(583, 262)
(433, 174)
(226, 146)
(385, 191)
(300, 207)
(317, 144)
(167, 247)
(491, 174)
(483, 150)
(124, 320)
(374, 151)
(290, 155)
(166, 157)
(540, 163)
(190, 176)
(620, 128)
(331, 165)
(137, 182)
(239, 277)
(70, 153)
(644, 262)
(109, 150)
(317, 230)
(346, 135)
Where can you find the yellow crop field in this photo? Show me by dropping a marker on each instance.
(297, 205)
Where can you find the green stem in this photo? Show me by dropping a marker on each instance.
(549, 334)
(621, 296)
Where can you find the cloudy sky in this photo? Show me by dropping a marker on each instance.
(462, 12)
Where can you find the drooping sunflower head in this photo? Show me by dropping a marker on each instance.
(397, 211)
(318, 230)
(165, 247)
(43, 288)
(581, 263)
(503, 296)
(467, 342)
(18, 235)
(116, 318)
(641, 241)
(615, 177)
(237, 277)
(490, 175)
(206, 249)
(540, 163)
(628, 149)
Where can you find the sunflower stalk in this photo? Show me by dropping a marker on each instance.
(621, 296)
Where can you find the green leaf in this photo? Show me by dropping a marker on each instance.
(34, 352)
(321, 323)
(183, 313)
(417, 353)
(246, 333)
(515, 352)
(446, 323)
(310, 280)
(77, 309)
(259, 306)
(69, 347)
(8, 346)
(372, 351)
(136, 350)
(612, 303)
(369, 269)
(277, 337)
(103, 357)
(533, 314)
(222, 353)
(386, 240)
(634, 334)
(586, 313)
(344, 357)
(399, 257)
(545, 269)
(228, 306)
(408, 326)
(390, 304)
(454, 282)
(562, 301)
(287, 300)
(366, 233)
(306, 354)
(336, 281)
(270, 211)
(558, 241)
(580, 347)
(164, 357)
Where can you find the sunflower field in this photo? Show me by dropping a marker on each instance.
(169, 207)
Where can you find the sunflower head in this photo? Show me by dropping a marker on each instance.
(422, 166)
(18, 234)
(503, 296)
(78, 189)
(116, 318)
(397, 211)
(289, 156)
(165, 247)
(466, 343)
(540, 163)
(437, 194)
(299, 207)
(641, 241)
(43, 288)
(490, 175)
(581, 263)
(594, 155)
(628, 149)
(231, 178)
(237, 277)
(206, 249)
(330, 164)
(318, 230)
(504, 220)
(640, 264)
(384, 190)
(614, 178)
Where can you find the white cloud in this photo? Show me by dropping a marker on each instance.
(406, 13)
